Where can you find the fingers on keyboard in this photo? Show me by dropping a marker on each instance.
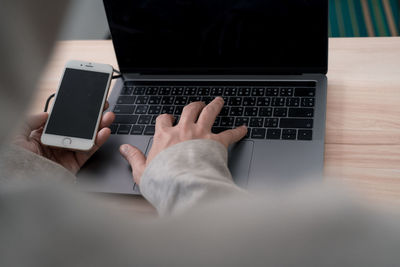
(269, 112)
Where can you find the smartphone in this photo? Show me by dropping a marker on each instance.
(78, 106)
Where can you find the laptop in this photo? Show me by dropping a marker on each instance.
(266, 58)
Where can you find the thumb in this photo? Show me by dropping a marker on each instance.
(136, 159)
(36, 121)
(234, 135)
(32, 123)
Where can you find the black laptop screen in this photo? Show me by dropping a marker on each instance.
(219, 36)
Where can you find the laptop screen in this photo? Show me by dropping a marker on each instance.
(219, 36)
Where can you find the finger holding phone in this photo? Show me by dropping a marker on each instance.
(29, 138)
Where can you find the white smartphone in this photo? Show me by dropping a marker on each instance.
(76, 113)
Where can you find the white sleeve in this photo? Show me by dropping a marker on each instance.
(17, 163)
(187, 174)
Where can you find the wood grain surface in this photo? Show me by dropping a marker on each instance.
(362, 148)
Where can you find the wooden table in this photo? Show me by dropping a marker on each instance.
(363, 118)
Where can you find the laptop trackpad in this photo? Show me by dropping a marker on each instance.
(239, 161)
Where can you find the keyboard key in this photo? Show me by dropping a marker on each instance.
(235, 101)
(224, 111)
(249, 101)
(176, 120)
(113, 127)
(304, 92)
(124, 129)
(263, 101)
(194, 99)
(204, 91)
(230, 91)
(137, 129)
(168, 100)
(271, 123)
(178, 110)
(154, 110)
(241, 121)
(126, 100)
(251, 112)
(139, 90)
(190, 91)
(265, 112)
(126, 119)
(127, 91)
(286, 92)
(149, 130)
(155, 100)
(141, 109)
(218, 130)
(153, 120)
(289, 134)
(217, 121)
(293, 101)
(278, 102)
(142, 99)
(301, 112)
(244, 92)
(256, 122)
(248, 134)
(271, 91)
(280, 112)
(181, 100)
(236, 111)
(144, 119)
(207, 99)
(177, 91)
(167, 110)
(164, 91)
(307, 102)
(217, 91)
(227, 121)
(304, 135)
(258, 91)
(124, 109)
(152, 91)
(274, 134)
(296, 123)
(258, 133)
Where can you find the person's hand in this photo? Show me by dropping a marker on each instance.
(195, 123)
(29, 138)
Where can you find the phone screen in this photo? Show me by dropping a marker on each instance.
(76, 108)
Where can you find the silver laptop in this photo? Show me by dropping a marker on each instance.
(267, 59)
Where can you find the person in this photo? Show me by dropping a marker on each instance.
(195, 124)
(208, 220)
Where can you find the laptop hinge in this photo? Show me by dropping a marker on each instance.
(131, 75)
(143, 76)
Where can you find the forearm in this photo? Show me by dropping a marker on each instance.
(19, 163)
(188, 174)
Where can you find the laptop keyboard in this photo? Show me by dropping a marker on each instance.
(271, 110)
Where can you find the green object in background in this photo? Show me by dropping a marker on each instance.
(362, 18)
